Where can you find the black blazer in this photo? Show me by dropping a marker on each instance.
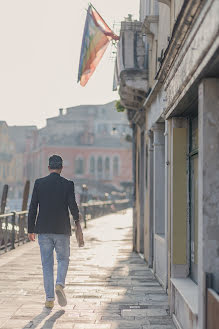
(55, 196)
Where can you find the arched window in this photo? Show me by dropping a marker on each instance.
(115, 166)
(79, 166)
(92, 165)
(100, 167)
(107, 168)
(100, 164)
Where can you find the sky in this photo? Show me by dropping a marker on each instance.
(40, 49)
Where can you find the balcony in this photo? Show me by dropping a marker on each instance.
(131, 68)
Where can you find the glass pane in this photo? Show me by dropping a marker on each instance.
(99, 165)
(92, 165)
(194, 217)
(115, 166)
(79, 166)
(194, 135)
(107, 168)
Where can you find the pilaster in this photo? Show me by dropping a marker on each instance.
(208, 191)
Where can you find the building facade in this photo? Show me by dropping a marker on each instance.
(91, 139)
(12, 157)
(7, 160)
(167, 72)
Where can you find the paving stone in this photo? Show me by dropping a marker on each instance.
(143, 312)
(160, 320)
(160, 327)
(92, 326)
(107, 286)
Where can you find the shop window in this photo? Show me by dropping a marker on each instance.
(79, 166)
(193, 197)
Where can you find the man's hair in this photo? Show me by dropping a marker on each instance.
(55, 162)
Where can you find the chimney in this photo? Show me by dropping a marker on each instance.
(60, 112)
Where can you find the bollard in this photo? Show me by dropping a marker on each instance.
(13, 230)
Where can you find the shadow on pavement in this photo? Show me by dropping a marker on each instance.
(139, 302)
(49, 323)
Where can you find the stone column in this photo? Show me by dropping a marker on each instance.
(134, 186)
(151, 194)
(166, 197)
(142, 189)
(208, 189)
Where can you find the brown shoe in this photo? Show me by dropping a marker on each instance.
(49, 304)
(61, 295)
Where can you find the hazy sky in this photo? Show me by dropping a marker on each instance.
(40, 49)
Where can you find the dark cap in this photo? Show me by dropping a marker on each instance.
(55, 162)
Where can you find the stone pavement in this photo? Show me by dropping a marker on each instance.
(108, 286)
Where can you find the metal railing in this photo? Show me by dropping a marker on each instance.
(13, 225)
(13, 230)
(95, 209)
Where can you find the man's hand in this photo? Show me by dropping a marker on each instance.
(77, 223)
(31, 236)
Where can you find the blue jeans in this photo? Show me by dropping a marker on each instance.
(61, 244)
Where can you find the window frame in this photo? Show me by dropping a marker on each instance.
(193, 153)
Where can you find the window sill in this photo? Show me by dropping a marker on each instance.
(189, 292)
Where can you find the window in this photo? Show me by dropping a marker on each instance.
(146, 167)
(79, 166)
(99, 164)
(103, 128)
(100, 167)
(92, 165)
(156, 8)
(107, 168)
(115, 166)
(4, 171)
(193, 197)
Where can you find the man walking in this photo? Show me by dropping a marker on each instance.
(53, 196)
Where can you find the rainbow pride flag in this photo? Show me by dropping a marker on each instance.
(96, 38)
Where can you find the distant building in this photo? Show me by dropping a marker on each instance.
(92, 142)
(7, 160)
(12, 150)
